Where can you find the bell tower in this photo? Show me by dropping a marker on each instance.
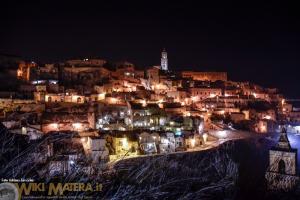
(164, 60)
(282, 170)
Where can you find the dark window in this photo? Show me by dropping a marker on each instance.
(132, 149)
(281, 167)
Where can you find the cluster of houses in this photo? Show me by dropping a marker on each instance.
(67, 152)
(118, 109)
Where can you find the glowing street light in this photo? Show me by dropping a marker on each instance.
(114, 100)
(222, 134)
(125, 143)
(101, 96)
(83, 139)
(144, 103)
(205, 136)
(160, 101)
(54, 125)
(76, 126)
(194, 98)
(24, 130)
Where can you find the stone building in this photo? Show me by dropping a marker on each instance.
(95, 148)
(201, 93)
(282, 172)
(205, 76)
(24, 70)
(149, 142)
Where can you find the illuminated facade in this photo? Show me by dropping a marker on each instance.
(199, 94)
(124, 146)
(148, 142)
(167, 143)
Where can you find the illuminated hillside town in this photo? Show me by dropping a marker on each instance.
(92, 113)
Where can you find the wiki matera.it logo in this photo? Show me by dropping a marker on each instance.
(8, 191)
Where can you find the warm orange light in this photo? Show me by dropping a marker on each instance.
(76, 125)
(263, 128)
(194, 98)
(101, 96)
(193, 141)
(160, 101)
(19, 73)
(205, 136)
(114, 100)
(54, 125)
(144, 103)
(187, 114)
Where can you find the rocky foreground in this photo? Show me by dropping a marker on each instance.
(234, 170)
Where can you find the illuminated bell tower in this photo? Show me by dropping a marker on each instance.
(164, 60)
(282, 171)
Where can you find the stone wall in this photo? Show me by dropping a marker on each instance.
(281, 182)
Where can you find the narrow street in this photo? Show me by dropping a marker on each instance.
(221, 137)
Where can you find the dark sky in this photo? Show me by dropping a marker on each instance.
(253, 41)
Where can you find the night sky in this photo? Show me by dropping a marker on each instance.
(254, 41)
